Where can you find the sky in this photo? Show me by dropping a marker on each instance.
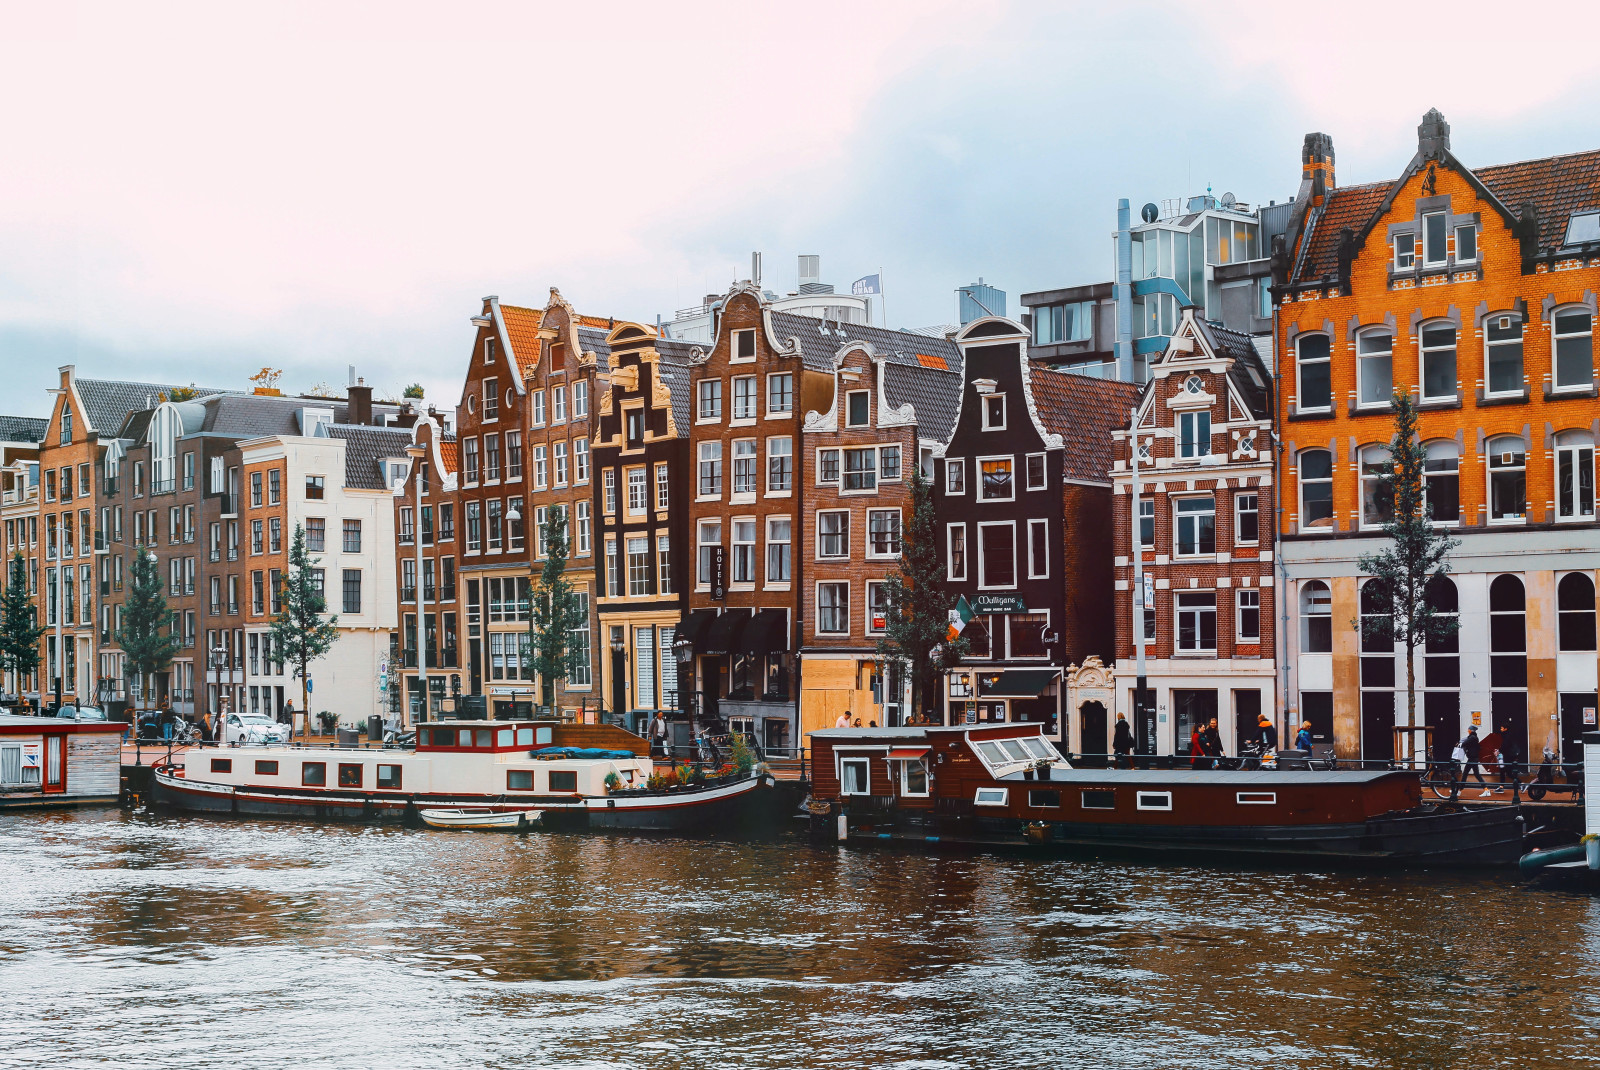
(192, 192)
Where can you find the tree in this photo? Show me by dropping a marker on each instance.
(1415, 557)
(555, 612)
(917, 605)
(413, 391)
(299, 630)
(19, 624)
(146, 637)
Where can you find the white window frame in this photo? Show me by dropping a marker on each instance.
(1178, 516)
(1410, 262)
(558, 404)
(845, 535)
(1255, 798)
(750, 545)
(1192, 445)
(950, 555)
(751, 401)
(1239, 607)
(1444, 239)
(1300, 488)
(983, 410)
(1239, 511)
(787, 453)
(1578, 448)
(1363, 358)
(850, 394)
(1423, 351)
(983, 581)
(538, 408)
(955, 467)
(736, 340)
(1152, 800)
(1301, 362)
(753, 462)
(704, 394)
(874, 555)
(771, 583)
(1039, 570)
(866, 775)
(927, 779)
(663, 486)
(843, 616)
(838, 479)
(638, 480)
(1522, 360)
(866, 619)
(1044, 471)
(1556, 338)
(978, 462)
(1178, 610)
(1476, 252)
(1490, 456)
(580, 462)
(771, 376)
(703, 458)
(991, 796)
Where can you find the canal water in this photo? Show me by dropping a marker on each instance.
(136, 940)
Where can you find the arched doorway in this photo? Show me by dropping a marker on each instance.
(1095, 741)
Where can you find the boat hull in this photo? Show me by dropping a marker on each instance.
(482, 819)
(746, 804)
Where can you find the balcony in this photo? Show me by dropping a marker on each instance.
(408, 594)
(215, 554)
(233, 553)
(163, 486)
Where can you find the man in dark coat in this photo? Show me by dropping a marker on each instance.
(1472, 747)
(1122, 742)
(1510, 756)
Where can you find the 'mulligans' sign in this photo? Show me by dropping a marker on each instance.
(999, 603)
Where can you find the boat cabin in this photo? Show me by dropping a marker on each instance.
(58, 761)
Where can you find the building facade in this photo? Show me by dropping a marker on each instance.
(19, 526)
(426, 557)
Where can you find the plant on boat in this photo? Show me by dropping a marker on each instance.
(740, 755)
(302, 629)
(613, 781)
(656, 782)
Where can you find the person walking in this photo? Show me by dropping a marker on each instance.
(1122, 743)
(1302, 738)
(1211, 741)
(658, 736)
(1269, 734)
(1471, 749)
(1197, 748)
(1510, 757)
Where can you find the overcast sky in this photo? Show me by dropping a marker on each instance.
(193, 192)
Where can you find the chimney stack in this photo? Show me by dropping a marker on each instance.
(1316, 165)
(360, 399)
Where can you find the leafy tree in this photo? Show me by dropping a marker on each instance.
(413, 391)
(182, 393)
(19, 623)
(299, 630)
(147, 636)
(1415, 557)
(917, 615)
(555, 612)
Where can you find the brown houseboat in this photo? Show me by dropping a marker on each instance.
(1006, 785)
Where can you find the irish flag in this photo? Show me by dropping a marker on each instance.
(959, 617)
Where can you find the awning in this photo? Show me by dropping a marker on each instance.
(693, 626)
(1016, 683)
(724, 634)
(906, 754)
(767, 632)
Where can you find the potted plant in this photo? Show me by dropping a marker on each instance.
(1042, 768)
(613, 781)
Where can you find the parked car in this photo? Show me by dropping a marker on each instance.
(249, 728)
(82, 713)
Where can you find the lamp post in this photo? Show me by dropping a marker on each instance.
(619, 672)
(418, 455)
(684, 650)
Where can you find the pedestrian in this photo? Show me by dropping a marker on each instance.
(1269, 734)
(1211, 741)
(1302, 738)
(658, 736)
(1510, 757)
(1122, 742)
(858, 722)
(1471, 750)
(1197, 749)
(843, 721)
(166, 717)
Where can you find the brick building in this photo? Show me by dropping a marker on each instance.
(1474, 289)
(19, 525)
(429, 547)
(1204, 476)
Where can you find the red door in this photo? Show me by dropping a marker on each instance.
(55, 763)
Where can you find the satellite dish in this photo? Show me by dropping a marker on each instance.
(1229, 200)
(1150, 213)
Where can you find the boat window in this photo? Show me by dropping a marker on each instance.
(1015, 750)
(222, 765)
(524, 737)
(991, 752)
(314, 774)
(266, 768)
(519, 780)
(389, 776)
(503, 738)
(1154, 800)
(853, 776)
(1038, 747)
(483, 737)
(349, 775)
(1256, 798)
(1099, 800)
(991, 797)
(563, 780)
(1044, 798)
(914, 779)
(542, 736)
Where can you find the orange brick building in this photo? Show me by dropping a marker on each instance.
(1474, 289)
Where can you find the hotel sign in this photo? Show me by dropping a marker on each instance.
(719, 574)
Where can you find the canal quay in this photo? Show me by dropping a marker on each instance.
(135, 938)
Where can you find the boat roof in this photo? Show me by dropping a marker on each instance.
(1166, 778)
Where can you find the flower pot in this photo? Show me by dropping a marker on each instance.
(1027, 774)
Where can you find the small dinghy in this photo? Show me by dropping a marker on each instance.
(506, 820)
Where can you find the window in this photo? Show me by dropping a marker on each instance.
(994, 412)
(609, 496)
(580, 461)
(389, 777)
(583, 528)
(1038, 549)
(883, 533)
(558, 404)
(1316, 618)
(1316, 489)
(493, 513)
(1441, 481)
(744, 466)
(1574, 363)
(833, 608)
(1311, 361)
(1466, 243)
(638, 491)
(1508, 484)
(997, 555)
(827, 466)
(474, 527)
(314, 774)
(877, 607)
(352, 536)
(663, 564)
(1503, 356)
(991, 796)
(640, 565)
(861, 469)
(1377, 493)
(1375, 367)
(563, 780)
(1196, 526)
(491, 399)
(994, 482)
(515, 526)
(580, 400)
(1247, 518)
(538, 408)
(1439, 363)
(778, 540)
(853, 778)
(1197, 621)
(352, 590)
(469, 460)
(634, 431)
(1194, 434)
(663, 487)
(710, 470)
(579, 673)
(1405, 252)
(780, 465)
(1063, 323)
(888, 463)
(519, 779)
(1147, 523)
(710, 541)
(1508, 633)
(274, 486)
(316, 534)
(956, 551)
(744, 397)
(858, 408)
(1153, 800)
(710, 399)
(1099, 799)
(541, 464)
(1434, 251)
(833, 534)
(780, 394)
(275, 535)
(514, 457)
(744, 551)
(955, 476)
(1575, 475)
(541, 517)
(266, 767)
(1036, 469)
(743, 346)
(1249, 623)
(1575, 628)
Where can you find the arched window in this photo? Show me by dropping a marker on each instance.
(1508, 633)
(1508, 479)
(1377, 637)
(1439, 362)
(1574, 341)
(1316, 615)
(1312, 352)
(1316, 489)
(1575, 605)
(1441, 481)
(1374, 366)
(1377, 498)
(1441, 667)
(1502, 354)
(1575, 475)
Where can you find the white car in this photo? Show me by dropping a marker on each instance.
(250, 728)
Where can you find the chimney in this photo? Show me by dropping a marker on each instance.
(1316, 165)
(1433, 135)
(360, 399)
(407, 416)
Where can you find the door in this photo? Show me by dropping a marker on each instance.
(1093, 728)
(1441, 711)
(1247, 720)
(1377, 726)
(1509, 712)
(55, 763)
(1573, 725)
(1194, 709)
(1317, 707)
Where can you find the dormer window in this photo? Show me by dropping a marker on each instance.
(1405, 252)
(1434, 252)
(66, 423)
(858, 405)
(744, 345)
(1583, 228)
(488, 350)
(994, 412)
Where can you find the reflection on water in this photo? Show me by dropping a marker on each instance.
(152, 941)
